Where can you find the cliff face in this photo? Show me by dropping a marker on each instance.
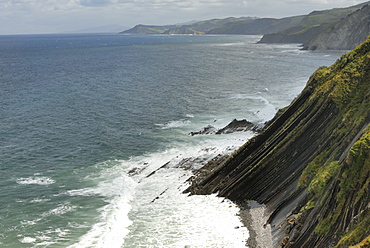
(311, 25)
(311, 165)
(302, 35)
(257, 26)
(346, 34)
(195, 28)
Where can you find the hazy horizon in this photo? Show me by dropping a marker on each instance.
(52, 16)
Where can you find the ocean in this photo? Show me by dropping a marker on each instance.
(95, 148)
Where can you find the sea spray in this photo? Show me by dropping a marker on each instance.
(165, 217)
(111, 228)
(78, 134)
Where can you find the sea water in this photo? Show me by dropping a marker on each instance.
(95, 148)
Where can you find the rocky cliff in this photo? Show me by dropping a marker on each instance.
(311, 25)
(311, 165)
(345, 34)
(256, 27)
(194, 28)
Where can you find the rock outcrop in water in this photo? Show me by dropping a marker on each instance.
(311, 165)
(234, 126)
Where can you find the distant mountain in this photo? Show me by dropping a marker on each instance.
(256, 26)
(310, 25)
(199, 27)
(345, 34)
(148, 29)
(338, 28)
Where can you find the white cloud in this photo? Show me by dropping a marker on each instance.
(25, 16)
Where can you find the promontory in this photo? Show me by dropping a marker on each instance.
(310, 166)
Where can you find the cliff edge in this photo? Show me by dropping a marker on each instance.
(345, 34)
(337, 28)
(311, 165)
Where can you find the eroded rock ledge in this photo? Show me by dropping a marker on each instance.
(234, 126)
(311, 165)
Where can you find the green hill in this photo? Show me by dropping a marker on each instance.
(345, 34)
(310, 25)
(295, 29)
(256, 26)
(194, 28)
(147, 29)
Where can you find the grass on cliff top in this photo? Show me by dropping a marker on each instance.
(354, 185)
(324, 18)
(363, 244)
(355, 180)
(356, 235)
(347, 83)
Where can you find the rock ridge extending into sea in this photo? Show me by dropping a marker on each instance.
(234, 126)
(346, 34)
(310, 166)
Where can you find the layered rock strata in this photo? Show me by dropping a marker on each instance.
(345, 34)
(311, 165)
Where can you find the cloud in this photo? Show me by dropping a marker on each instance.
(96, 3)
(25, 16)
(147, 4)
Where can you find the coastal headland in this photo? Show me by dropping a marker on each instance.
(308, 172)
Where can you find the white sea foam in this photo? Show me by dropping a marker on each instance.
(111, 228)
(230, 44)
(38, 200)
(60, 210)
(131, 218)
(35, 180)
(27, 240)
(174, 124)
(49, 237)
(28, 222)
(261, 112)
(165, 217)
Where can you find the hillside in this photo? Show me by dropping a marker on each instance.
(311, 165)
(295, 29)
(311, 25)
(345, 34)
(257, 26)
(195, 28)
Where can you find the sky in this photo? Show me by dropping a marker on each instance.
(61, 16)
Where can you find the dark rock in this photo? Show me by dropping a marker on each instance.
(310, 163)
(233, 126)
(238, 126)
(206, 130)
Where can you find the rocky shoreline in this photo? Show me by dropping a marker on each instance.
(253, 216)
(309, 166)
(234, 126)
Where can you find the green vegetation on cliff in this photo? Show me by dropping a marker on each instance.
(311, 25)
(344, 34)
(338, 28)
(256, 26)
(311, 164)
(196, 28)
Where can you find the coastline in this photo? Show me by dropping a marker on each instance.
(253, 216)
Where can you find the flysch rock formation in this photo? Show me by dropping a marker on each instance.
(234, 126)
(310, 167)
